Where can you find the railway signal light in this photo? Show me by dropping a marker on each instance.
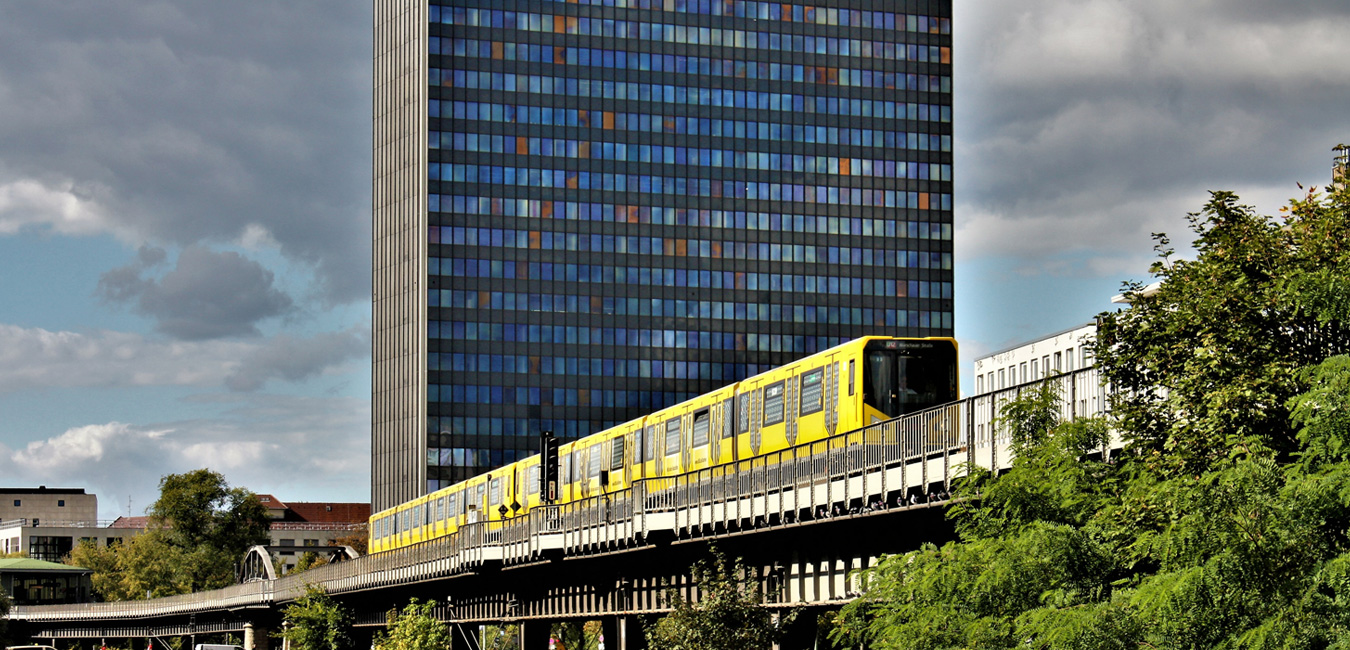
(548, 462)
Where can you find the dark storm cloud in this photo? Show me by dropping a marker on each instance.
(207, 295)
(1086, 125)
(291, 359)
(192, 120)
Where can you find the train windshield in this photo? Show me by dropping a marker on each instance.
(902, 376)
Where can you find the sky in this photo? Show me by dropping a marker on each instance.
(185, 208)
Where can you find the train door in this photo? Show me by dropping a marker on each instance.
(700, 439)
(670, 457)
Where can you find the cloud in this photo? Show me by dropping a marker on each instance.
(198, 122)
(28, 204)
(38, 359)
(292, 359)
(1083, 126)
(315, 449)
(207, 295)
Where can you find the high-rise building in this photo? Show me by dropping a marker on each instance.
(587, 210)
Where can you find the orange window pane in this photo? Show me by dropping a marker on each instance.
(546, 210)
(560, 55)
(584, 150)
(945, 55)
(787, 12)
(717, 249)
(632, 214)
(559, 25)
(923, 200)
(597, 304)
(845, 165)
(681, 247)
(534, 239)
(522, 145)
(572, 180)
(584, 397)
(534, 365)
(584, 118)
(497, 50)
(609, 119)
(484, 299)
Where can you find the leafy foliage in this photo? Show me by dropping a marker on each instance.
(317, 622)
(197, 530)
(576, 635)
(727, 615)
(1225, 521)
(415, 628)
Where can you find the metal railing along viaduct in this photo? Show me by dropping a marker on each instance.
(802, 519)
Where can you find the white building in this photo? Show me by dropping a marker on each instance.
(1064, 351)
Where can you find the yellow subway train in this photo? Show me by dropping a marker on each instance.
(837, 390)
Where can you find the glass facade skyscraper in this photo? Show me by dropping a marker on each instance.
(587, 211)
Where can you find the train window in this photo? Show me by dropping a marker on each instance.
(850, 376)
(673, 436)
(743, 411)
(649, 449)
(440, 509)
(728, 410)
(495, 496)
(773, 403)
(595, 453)
(702, 422)
(453, 510)
(616, 454)
(532, 482)
(813, 391)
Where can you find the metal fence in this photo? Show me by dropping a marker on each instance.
(890, 464)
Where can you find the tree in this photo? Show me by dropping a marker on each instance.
(1224, 521)
(316, 622)
(727, 616)
(415, 628)
(356, 539)
(196, 532)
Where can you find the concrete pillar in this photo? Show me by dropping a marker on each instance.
(609, 634)
(629, 634)
(534, 635)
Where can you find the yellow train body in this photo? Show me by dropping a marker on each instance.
(841, 389)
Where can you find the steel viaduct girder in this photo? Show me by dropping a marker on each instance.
(803, 564)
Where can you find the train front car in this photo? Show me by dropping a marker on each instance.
(901, 376)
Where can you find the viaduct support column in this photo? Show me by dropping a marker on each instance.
(534, 635)
(627, 634)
